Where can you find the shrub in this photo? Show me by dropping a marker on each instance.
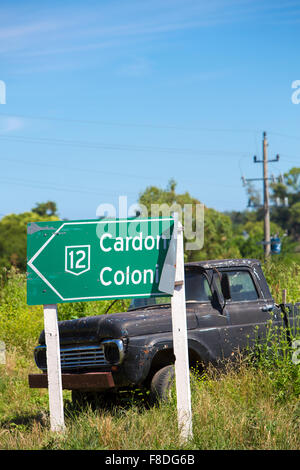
(281, 276)
(274, 356)
(21, 324)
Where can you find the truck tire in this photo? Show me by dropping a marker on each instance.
(161, 384)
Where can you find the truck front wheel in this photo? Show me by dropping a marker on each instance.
(162, 383)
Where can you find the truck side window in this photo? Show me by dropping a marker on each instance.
(241, 286)
(196, 290)
(196, 287)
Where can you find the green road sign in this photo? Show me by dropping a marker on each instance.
(72, 261)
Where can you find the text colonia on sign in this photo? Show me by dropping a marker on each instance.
(137, 243)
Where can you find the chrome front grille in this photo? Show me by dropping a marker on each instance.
(82, 356)
(74, 357)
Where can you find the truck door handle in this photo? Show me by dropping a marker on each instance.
(267, 308)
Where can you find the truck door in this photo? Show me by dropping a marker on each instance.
(202, 297)
(248, 311)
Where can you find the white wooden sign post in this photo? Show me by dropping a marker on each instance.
(53, 368)
(180, 343)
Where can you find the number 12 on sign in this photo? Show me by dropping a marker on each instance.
(77, 259)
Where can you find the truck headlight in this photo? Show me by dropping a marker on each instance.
(113, 350)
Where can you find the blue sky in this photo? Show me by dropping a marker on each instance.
(104, 98)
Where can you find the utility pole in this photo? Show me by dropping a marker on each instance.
(267, 245)
(266, 204)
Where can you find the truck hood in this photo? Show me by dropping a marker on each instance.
(118, 325)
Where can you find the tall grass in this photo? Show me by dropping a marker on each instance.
(20, 324)
(237, 409)
(253, 406)
(283, 276)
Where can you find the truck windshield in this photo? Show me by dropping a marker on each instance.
(196, 290)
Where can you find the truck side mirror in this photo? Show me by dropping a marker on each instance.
(225, 286)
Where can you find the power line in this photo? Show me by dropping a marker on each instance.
(126, 147)
(290, 161)
(104, 172)
(279, 134)
(131, 124)
(42, 185)
(146, 125)
(71, 168)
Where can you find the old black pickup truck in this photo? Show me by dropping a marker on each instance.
(228, 303)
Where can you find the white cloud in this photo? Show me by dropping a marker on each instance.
(10, 123)
(20, 31)
(138, 68)
(60, 30)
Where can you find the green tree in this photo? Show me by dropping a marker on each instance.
(295, 219)
(45, 208)
(288, 217)
(218, 233)
(218, 237)
(13, 237)
(248, 224)
(253, 194)
(249, 238)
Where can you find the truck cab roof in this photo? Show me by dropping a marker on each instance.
(224, 263)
